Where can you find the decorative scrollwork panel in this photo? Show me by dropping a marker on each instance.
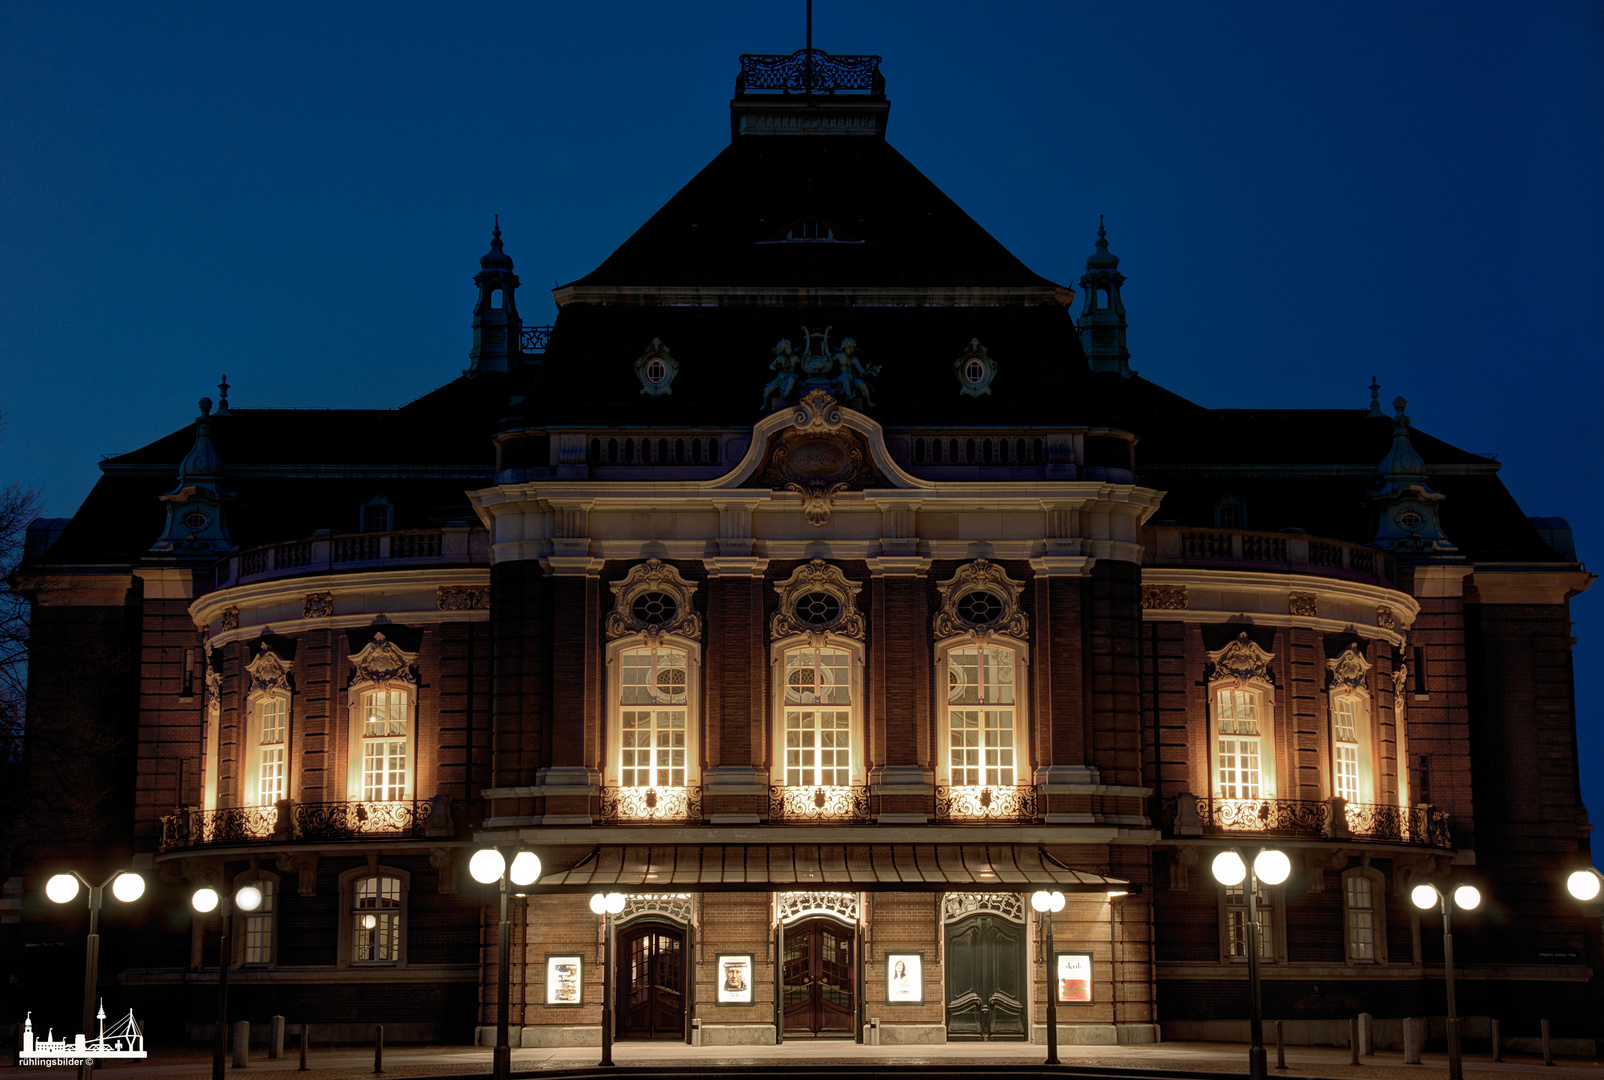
(799, 905)
(993, 802)
(844, 804)
(959, 905)
(664, 804)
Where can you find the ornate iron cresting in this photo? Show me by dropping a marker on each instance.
(989, 803)
(810, 72)
(533, 339)
(1323, 819)
(348, 820)
(843, 804)
(232, 825)
(664, 804)
(1285, 817)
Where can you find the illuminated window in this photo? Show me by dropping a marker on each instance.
(1345, 748)
(1364, 916)
(376, 920)
(981, 734)
(654, 696)
(818, 717)
(270, 753)
(1238, 746)
(1236, 923)
(386, 717)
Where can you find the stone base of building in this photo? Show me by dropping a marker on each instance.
(1100, 1034)
(904, 1034)
(1387, 1034)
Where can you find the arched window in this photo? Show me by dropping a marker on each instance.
(982, 724)
(267, 767)
(817, 663)
(1230, 513)
(495, 299)
(1364, 914)
(1102, 299)
(383, 724)
(377, 515)
(272, 727)
(256, 932)
(654, 695)
(373, 930)
(1352, 755)
(818, 714)
(1241, 721)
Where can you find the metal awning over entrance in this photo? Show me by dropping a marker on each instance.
(863, 867)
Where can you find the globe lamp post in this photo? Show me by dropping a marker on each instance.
(607, 905)
(1425, 897)
(205, 901)
(488, 865)
(127, 887)
(1271, 867)
(1584, 884)
(1045, 903)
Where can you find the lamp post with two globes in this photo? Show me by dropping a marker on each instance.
(1045, 903)
(487, 865)
(1425, 897)
(205, 900)
(607, 905)
(63, 889)
(1271, 867)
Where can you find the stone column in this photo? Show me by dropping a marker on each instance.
(897, 722)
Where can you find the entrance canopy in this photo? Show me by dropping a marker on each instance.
(865, 867)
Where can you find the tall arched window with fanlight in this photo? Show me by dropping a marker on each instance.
(982, 718)
(382, 765)
(818, 717)
(1353, 766)
(653, 722)
(267, 766)
(1241, 699)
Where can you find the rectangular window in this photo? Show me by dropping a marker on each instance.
(652, 739)
(981, 718)
(818, 741)
(1236, 923)
(1361, 919)
(270, 763)
(1345, 746)
(1238, 767)
(385, 719)
(1420, 669)
(259, 927)
(376, 921)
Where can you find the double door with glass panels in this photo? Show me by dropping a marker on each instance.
(651, 983)
(818, 978)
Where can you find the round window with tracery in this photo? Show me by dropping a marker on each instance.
(974, 371)
(656, 371)
(818, 610)
(195, 521)
(979, 608)
(1410, 520)
(654, 608)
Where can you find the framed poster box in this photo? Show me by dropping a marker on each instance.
(905, 978)
(565, 980)
(734, 979)
(1072, 978)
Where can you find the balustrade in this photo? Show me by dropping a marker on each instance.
(680, 805)
(994, 802)
(1330, 819)
(841, 804)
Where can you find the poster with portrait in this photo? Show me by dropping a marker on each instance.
(905, 983)
(564, 975)
(1074, 980)
(735, 978)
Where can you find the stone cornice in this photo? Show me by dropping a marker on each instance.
(1345, 607)
(1536, 584)
(823, 296)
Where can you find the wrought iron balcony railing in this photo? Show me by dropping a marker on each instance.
(1326, 819)
(810, 71)
(670, 805)
(294, 821)
(533, 339)
(987, 803)
(842, 804)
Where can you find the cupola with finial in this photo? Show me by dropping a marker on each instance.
(1102, 319)
(1407, 523)
(496, 325)
(195, 508)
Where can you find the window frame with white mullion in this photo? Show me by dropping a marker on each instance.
(386, 733)
(256, 932)
(1364, 916)
(816, 682)
(1353, 767)
(994, 748)
(666, 711)
(1242, 748)
(269, 778)
(1233, 923)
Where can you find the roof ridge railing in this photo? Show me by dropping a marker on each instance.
(809, 71)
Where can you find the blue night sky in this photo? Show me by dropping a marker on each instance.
(1301, 196)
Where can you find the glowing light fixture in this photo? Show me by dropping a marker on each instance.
(369, 922)
(598, 903)
(248, 898)
(1229, 869)
(204, 900)
(1272, 867)
(1583, 884)
(62, 888)
(486, 865)
(128, 887)
(525, 868)
(1423, 897)
(1468, 897)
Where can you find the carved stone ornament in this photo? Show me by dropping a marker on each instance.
(1303, 603)
(675, 907)
(1349, 671)
(1385, 618)
(1400, 679)
(818, 458)
(382, 661)
(653, 599)
(1242, 660)
(961, 905)
(1164, 597)
(799, 905)
(317, 605)
(818, 599)
(441, 859)
(303, 866)
(214, 687)
(981, 599)
(462, 597)
(230, 619)
(656, 370)
(974, 370)
(268, 673)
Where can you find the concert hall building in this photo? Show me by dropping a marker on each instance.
(825, 581)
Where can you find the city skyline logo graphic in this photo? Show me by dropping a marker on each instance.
(124, 1040)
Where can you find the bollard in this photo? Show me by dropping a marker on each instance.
(696, 1032)
(306, 1037)
(1280, 1045)
(275, 1038)
(242, 1043)
(1548, 1046)
(1498, 1044)
(1367, 1035)
(378, 1048)
(1353, 1041)
(1414, 1035)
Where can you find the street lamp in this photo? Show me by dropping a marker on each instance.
(1045, 904)
(1584, 884)
(487, 865)
(206, 900)
(62, 889)
(607, 905)
(1468, 897)
(1271, 867)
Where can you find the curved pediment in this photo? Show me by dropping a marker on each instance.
(815, 442)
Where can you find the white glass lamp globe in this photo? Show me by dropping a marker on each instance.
(369, 922)
(204, 900)
(1583, 885)
(248, 898)
(1423, 897)
(61, 888)
(1229, 869)
(1468, 897)
(1058, 901)
(1041, 900)
(598, 903)
(1272, 867)
(486, 865)
(615, 903)
(525, 868)
(128, 887)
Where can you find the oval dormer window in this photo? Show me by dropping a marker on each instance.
(1410, 520)
(656, 371)
(974, 371)
(195, 521)
(818, 610)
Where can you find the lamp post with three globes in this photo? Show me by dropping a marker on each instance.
(1425, 897)
(607, 905)
(127, 887)
(1271, 867)
(487, 865)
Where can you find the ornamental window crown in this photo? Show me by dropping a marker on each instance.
(818, 599)
(981, 599)
(653, 599)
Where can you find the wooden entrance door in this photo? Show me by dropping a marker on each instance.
(651, 982)
(985, 978)
(819, 979)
